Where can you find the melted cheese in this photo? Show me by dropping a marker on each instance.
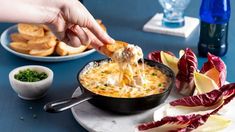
(127, 57)
(124, 76)
(105, 80)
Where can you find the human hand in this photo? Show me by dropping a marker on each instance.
(69, 19)
(75, 25)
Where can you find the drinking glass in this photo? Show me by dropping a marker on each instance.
(173, 14)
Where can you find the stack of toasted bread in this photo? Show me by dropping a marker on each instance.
(38, 40)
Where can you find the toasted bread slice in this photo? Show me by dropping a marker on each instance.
(89, 47)
(31, 30)
(42, 43)
(42, 52)
(77, 50)
(117, 45)
(20, 47)
(45, 27)
(49, 34)
(109, 49)
(99, 21)
(28, 37)
(64, 49)
(16, 37)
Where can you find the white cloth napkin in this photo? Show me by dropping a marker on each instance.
(155, 25)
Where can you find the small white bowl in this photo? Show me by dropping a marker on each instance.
(31, 90)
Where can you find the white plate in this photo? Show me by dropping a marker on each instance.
(94, 119)
(5, 40)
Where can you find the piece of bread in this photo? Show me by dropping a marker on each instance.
(60, 49)
(38, 40)
(42, 52)
(77, 50)
(50, 35)
(31, 30)
(109, 49)
(16, 37)
(64, 49)
(45, 27)
(27, 37)
(98, 21)
(89, 47)
(20, 47)
(42, 43)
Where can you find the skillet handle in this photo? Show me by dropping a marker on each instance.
(64, 104)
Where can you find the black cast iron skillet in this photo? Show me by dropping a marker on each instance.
(114, 104)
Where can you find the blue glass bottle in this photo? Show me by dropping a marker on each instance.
(214, 15)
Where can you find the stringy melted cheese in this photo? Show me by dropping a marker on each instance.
(124, 76)
(126, 58)
(104, 80)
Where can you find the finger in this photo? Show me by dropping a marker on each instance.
(58, 27)
(79, 32)
(94, 27)
(73, 40)
(94, 41)
(61, 24)
(84, 19)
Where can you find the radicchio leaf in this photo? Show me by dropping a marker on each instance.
(195, 122)
(206, 123)
(228, 92)
(199, 104)
(156, 55)
(215, 62)
(184, 123)
(187, 123)
(206, 100)
(187, 65)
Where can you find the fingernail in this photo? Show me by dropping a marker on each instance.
(112, 40)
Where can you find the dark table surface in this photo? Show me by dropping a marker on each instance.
(124, 20)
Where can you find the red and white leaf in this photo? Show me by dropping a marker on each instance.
(217, 63)
(194, 121)
(174, 123)
(187, 65)
(156, 55)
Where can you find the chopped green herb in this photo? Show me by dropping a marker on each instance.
(159, 85)
(102, 88)
(30, 76)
